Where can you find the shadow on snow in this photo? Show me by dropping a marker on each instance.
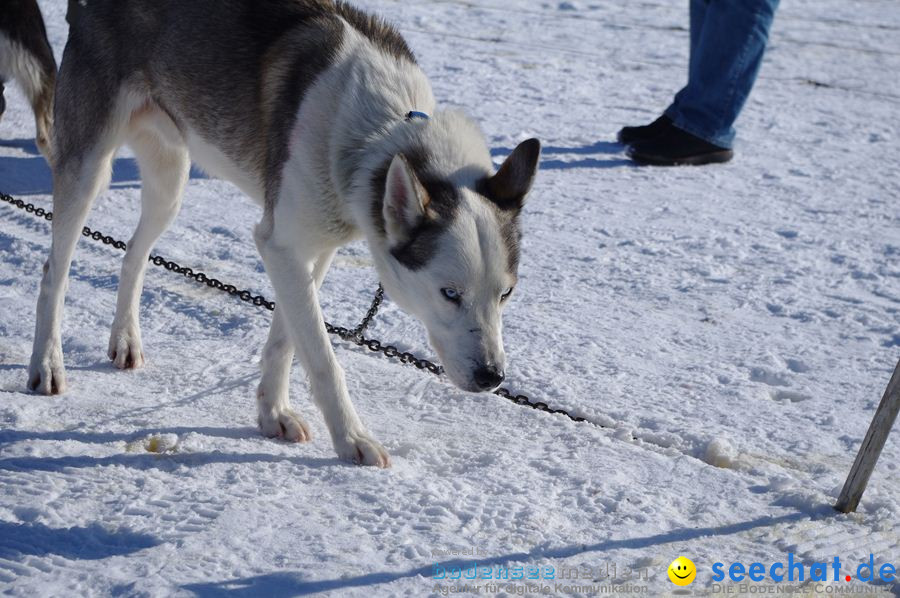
(86, 543)
(31, 175)
(601, 147)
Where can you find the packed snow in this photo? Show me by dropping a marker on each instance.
(729, 330)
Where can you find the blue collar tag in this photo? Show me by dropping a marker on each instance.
(416, 114)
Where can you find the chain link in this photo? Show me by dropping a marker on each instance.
(354, 336)
(373, 311)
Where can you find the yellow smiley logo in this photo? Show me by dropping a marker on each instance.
(682, 571)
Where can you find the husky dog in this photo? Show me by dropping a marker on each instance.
(319, 113)
(26, 57)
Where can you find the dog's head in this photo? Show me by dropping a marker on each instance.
(451, 228)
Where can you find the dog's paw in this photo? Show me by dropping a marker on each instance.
(46, 373)
(285, 424)
(125, 347)
(362, 449)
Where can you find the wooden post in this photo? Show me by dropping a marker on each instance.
(871, 446)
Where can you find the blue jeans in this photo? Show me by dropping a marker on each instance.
(728, 40)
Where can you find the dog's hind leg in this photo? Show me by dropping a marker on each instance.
(39, 85)
(276, 418)
(42, 104)
(165, 166)
(89, 132)
(29, 60)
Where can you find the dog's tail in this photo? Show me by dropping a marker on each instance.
(29, 61)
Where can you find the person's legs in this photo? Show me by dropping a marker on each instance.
(629, 135)
(728, 40)
(698, 12)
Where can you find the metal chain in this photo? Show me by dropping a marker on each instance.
(373, 311)
(354, 335)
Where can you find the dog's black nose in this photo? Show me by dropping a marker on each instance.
(488, 377)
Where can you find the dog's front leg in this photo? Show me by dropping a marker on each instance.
(292, 272)
(276, 418)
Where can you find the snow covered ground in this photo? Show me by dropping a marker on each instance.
(733, 327)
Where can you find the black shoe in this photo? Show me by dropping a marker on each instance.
(629, 135)
(678, 148)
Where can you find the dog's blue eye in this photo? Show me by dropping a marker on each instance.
(451, 295)
(506, 294)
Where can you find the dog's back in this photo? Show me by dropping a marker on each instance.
(233, 71)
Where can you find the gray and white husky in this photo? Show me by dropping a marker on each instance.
(318, 112)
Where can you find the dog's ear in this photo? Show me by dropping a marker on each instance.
(513, 181)
(405, 200)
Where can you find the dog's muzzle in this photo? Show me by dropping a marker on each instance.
(488, 377)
